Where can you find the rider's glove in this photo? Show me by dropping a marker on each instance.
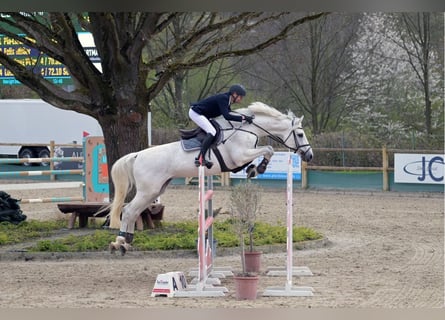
(248, 119)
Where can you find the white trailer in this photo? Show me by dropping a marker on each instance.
(33, 121)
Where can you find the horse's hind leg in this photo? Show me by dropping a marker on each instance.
(130, 213)
(116, 245)
(124, 238)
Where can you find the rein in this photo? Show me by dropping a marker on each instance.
(234, 129)
(284, 142)
(270, 135)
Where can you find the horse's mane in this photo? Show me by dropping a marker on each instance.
(259, 107)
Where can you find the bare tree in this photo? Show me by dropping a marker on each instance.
(189, 85)
(308, 70)
(119, 95)
(392, 79)
(415, 39)
(192, 85)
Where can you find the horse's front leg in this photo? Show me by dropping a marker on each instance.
(267, 153)
(261, 168)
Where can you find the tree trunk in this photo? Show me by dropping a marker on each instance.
(123, 134)
(179, 103)
(426, 88)
(428, 114)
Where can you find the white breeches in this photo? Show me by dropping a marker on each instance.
(202, 122)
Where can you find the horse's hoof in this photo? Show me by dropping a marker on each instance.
(123, 250)
(113, 246)
(251, 174)
(250, 171)
(261, 168)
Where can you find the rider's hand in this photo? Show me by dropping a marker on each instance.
(248, 119)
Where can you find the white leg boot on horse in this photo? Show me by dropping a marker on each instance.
(253, 170)
(125, 238)
(263, 165)
(130, 213)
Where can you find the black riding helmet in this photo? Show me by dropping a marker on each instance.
(238, 89)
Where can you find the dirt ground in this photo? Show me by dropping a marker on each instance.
(386, 250)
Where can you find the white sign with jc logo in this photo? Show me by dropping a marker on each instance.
(418, 168)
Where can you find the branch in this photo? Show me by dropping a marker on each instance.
(45, 89)
(55, 36)
(170, 67)
(192, 38)
(75, 59)
(243, 52)
(29, 28)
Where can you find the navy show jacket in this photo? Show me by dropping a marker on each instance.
(215, 106)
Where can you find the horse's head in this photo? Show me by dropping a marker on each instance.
(275, 125)
(302, 146)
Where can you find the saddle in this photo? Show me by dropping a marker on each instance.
(191, 139)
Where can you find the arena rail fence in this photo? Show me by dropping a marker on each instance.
(385, 169)
(50, 172)
(224, 179)
(94, 185)
(52, 145)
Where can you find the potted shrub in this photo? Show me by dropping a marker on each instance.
(245, 204)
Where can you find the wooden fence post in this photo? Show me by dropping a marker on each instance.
(51, 155)
(385, 165)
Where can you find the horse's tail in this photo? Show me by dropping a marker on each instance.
(123, 180)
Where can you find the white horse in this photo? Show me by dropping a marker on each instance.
(151, 170)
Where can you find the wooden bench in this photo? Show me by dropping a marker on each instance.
(85, 210)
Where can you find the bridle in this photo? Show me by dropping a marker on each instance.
(284, 141)
(275, 137)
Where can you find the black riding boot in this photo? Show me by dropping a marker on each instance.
(204, 147)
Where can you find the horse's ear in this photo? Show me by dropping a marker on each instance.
(298, 122)
(301, 119)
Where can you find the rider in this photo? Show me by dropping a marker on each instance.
(200, 112)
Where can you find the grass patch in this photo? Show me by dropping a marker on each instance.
(171, 236)
(28, 230)
(98, 241)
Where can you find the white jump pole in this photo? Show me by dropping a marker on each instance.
(202, 288)
(290, 271)
(201, 227)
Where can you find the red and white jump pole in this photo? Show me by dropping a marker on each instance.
(213, 273)
(290, 270)
(205, 255)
